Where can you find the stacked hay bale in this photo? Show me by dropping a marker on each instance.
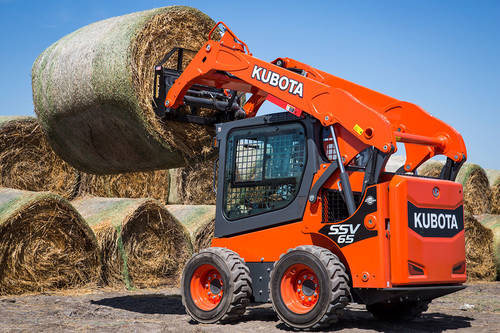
(495, 197)
(148, 184)
(28, 163)
(202, 237)
(477, 192)
(142, 244)
(199, 221)
(431, 169)
(44, 244)
(479, 250)
(192, 184)
(492, 222)
(92, 92)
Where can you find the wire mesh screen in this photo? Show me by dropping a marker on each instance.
(264, 168)
(334, 207)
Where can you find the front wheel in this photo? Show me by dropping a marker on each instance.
(215, 286)
(398, 311)
(309, 287)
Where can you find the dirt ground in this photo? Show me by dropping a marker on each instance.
(475, 309)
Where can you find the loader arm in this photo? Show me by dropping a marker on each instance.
(370, 117)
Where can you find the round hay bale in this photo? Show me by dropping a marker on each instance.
(142, 244)
(203, 235)
(192, 216)
(92, 92)
(495, 197)
(493, 223)
(44, 244)
(192, 185)
(149, 184)
(430, 169)
(477, 192)
(27, 161)
(479, 250)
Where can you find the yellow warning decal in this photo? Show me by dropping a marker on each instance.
(358, 129)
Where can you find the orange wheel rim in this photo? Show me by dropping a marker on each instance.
(300, 288)
(206, 287)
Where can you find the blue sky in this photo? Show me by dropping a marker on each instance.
(441, 55)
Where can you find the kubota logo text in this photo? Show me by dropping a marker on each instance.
(275, 80)
(431, 220)
(435, 222)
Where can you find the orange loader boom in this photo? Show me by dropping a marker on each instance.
(371, 117)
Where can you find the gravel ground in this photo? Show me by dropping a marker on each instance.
(475, 309)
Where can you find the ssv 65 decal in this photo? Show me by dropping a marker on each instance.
(264, 75)
(353, 229)
(429, 222)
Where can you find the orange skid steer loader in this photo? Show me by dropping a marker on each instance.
(307, 217)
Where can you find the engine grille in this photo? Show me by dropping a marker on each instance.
(334, 207)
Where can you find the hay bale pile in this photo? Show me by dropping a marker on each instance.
(142, 244)
(28, 163)
(479, 250)
(492, 222)
(149, 184)
(192, 185)
(495, 197)
(44, 244)
(203, 236)
(431, 169)
(199, 221)
(192, 216)
(477, 192)
(92, 92)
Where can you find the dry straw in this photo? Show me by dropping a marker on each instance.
(479, 250)
(477, 192)
(142, 244)
(495, 197)
(431, 169)
(492, 222)
(193, 184)
(28, 163)
(203, 235)
(197, 219)
(92, 91)
(148, 184)
(44, 244)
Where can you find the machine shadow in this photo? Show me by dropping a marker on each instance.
(147, 304)
(429, 322)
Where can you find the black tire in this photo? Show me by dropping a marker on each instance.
(331, 277)
(236, 287)
(398, 311)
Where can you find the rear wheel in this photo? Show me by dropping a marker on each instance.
(309, 287)
(215, 286)
(398, 311)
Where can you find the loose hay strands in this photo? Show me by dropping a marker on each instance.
(142, 244)
(149, 184)
(203, 235)
(192, 217)
(479, 252)
(495, 197)
(192, 185)
(92, 91)
(477, 192)
(44, 244)
(492, 222)
(28, 163)
(431, 169)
